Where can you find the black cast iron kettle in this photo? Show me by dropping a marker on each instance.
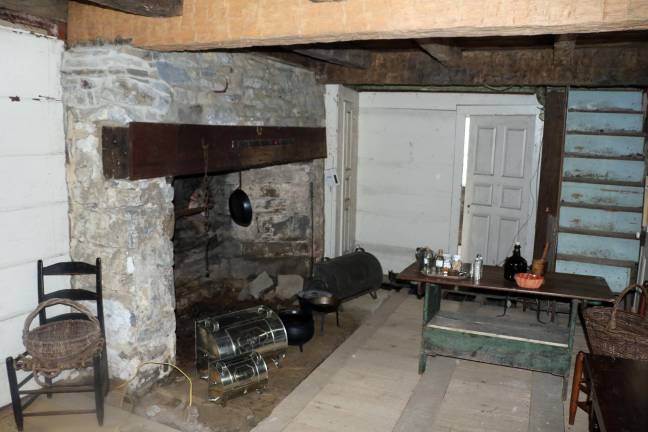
(240, 206)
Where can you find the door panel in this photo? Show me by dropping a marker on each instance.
(497, 202)
(514, 153)
(485, 154)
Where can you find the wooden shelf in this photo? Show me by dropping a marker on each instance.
(602, 207)
(606, 133)
(591, 180)
(606, 157)
(599, 261)
(597, 233)
(605, 111)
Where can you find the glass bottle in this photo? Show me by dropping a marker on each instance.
(515, 263)
(438, 262)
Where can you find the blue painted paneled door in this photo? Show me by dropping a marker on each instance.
(602, 187)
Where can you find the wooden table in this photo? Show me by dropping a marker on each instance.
(534, 346)
(619, 394)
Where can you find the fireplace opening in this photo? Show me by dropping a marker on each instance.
(221, 267)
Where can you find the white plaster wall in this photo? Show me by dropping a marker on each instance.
(34, 206)
(409, 170)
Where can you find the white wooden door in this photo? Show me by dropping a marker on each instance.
(498, 187)
(340, 194)
(349, 164)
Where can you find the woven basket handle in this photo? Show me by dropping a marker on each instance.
(617, 302)
(54, 301)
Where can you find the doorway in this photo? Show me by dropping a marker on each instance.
(500, 181)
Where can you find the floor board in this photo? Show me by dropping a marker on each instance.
(375, 386)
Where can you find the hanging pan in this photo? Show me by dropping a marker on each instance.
(240, 206)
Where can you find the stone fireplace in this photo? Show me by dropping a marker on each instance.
(131, 224)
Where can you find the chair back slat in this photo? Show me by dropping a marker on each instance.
(72, 294)
(69, 268)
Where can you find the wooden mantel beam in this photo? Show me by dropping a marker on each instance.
(246, 23)
(150, 150)
(150, 8)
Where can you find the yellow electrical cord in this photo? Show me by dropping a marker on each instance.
(160, 364)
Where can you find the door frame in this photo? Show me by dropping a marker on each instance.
(464, 111)
(335, 96)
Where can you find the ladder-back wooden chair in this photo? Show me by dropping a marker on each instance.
(21, 399)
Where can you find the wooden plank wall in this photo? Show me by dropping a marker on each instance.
(602, 185)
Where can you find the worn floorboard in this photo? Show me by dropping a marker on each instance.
(370, 384)
(546, 414)
(424, 404)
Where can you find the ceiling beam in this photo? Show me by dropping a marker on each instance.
(350, 57)
(440, 50)
(247, 23)
(49, 26)
(149, 8)
(624, 65)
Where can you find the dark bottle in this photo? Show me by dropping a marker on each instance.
(515, 263)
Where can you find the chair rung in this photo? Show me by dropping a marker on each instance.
(58, 389)
(66, 412)
(585, 406)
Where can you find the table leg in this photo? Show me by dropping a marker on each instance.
(573, 313)
(431, 305)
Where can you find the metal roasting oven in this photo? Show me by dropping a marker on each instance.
(256, 329)
(236, 376)
(349, 275)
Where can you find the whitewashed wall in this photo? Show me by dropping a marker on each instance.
(409, 170)
(33, 208)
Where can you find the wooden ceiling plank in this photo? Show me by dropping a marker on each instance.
(209, 24)
(149, 8)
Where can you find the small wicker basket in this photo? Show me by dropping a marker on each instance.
(62, 344)
(617, 333)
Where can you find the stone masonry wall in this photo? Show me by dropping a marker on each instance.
(130, 224)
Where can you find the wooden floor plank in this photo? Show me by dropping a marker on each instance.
(485, 398)
(546, 413)
(424, 404)
(371, 384)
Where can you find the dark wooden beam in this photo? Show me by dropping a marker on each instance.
(48, 26)
(53, 10)
(624, 65)
(150, 8)
(439, 49)
(349, 57)
(149, 150)
(564, 47)
(555, 113)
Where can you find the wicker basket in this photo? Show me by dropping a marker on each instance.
(63, 344)
(617, 333)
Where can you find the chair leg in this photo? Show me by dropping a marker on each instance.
(104, 370)
(98, 387)
(16, 403)
(576, 386)
(48, 381)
